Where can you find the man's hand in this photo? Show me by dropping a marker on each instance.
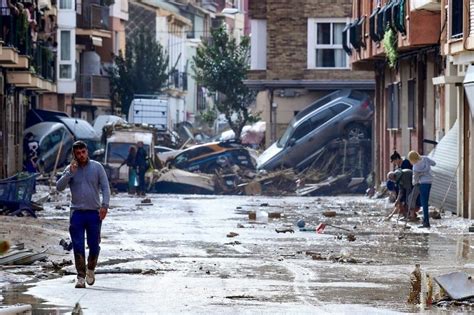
(73, 166)
(102, 213)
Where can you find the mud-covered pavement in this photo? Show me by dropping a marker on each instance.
(190, 265)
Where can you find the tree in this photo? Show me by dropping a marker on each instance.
(143, 69)
(221, 65)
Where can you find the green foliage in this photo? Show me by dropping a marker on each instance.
(221, 65)
(390, 46)
(143, 69)
(208, 116)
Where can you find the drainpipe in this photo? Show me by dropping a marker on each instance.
(272, 118)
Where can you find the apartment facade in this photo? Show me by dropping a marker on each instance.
(422, 97)
(457, 45)
(99, 34)
(27, 70)
(297, 56)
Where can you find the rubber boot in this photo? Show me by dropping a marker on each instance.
(80, 263)
(91, 264)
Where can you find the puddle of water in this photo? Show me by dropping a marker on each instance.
(16, 294)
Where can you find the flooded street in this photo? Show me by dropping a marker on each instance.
(189, 264)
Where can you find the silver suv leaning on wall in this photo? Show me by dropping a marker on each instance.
(341, 114)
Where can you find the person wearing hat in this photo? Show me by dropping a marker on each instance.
(423, 177)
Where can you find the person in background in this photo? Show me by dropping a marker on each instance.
(403, 179)
(86, 179)
(132, 171)
(141, 162)
(423, 177)
(398, 162)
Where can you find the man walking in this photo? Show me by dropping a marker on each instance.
(86, 178)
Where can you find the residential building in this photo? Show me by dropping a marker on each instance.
(456, 82)
(100, 33)
(27, 70)
(170, 28)
(297, 56)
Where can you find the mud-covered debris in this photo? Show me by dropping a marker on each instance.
(146, 200)
(240, 226)
(237, 297)
(233, 243)
(351, 237)
(318, 256)
(265, 204)
(436, 215)
(274, 215)
(232, 234)
(415, 289)
(329, 213)
(252, 215)
(284, 230)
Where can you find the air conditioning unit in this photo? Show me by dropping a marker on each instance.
(430, 5)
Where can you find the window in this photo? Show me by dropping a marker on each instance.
(339, 108)
(302, 130)
(65, 55)
(393, 93)
(456, 19)
(411, 103)
(65, 4)
(325, 44)
(322, 117)
(258, 45)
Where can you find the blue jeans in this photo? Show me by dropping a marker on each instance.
(425, 197)
(85, 221)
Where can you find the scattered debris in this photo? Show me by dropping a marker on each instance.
(67, 246)
(329, 213)
(146, 200)
(415, 290)
(458, 285)
(232, 234)
(274, 215)
(234, 297)
(351, 237)
(252, 215)
(284, 230)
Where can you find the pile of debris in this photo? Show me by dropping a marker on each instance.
(18, 255)
(339, 167)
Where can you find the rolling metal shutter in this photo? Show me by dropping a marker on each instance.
(445, 173)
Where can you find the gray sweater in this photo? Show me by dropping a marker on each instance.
(85, 184)
(422, 171)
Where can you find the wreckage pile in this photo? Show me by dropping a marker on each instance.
(339, 167)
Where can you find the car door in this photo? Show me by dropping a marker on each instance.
(298, 145)
(324, 123)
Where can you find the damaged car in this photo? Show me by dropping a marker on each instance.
(342, 114)
(206, 158)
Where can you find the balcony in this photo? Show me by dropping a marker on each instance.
(30, 65)
(94, 15)
(93, 86)
(430, 5)
(366, 37)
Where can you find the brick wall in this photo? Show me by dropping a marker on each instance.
(287, 37)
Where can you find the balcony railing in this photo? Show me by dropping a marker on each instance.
(94, 16)
(178, 80)
(93, 86)
(18, 35)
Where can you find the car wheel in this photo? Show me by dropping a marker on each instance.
(356, 132)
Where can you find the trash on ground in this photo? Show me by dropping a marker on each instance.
(458, 285)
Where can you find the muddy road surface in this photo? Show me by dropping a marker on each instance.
(202, 254)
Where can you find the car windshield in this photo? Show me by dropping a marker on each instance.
(286, 136)
(118, 152)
